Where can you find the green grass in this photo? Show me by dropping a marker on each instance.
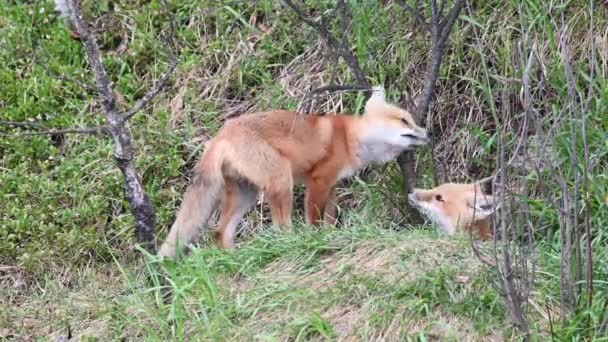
(361, 281)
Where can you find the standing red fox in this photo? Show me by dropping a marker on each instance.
(269, 151)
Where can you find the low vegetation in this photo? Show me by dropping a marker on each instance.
(361, 282)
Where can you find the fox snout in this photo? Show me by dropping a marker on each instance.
(425, 139)
(413, 196)
(419, 136)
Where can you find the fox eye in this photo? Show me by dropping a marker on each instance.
(404, 122)
(438, 198)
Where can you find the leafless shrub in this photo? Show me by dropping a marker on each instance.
(439, 26)
(140, 204)
(530, 167)
(339, 50)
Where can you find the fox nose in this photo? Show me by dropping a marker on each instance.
(425, 135)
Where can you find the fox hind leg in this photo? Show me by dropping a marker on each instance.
(237, 199)
(330, 209)
(270, 172)
(280, 200)
(280, 203)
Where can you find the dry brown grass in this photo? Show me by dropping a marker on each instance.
(71, 302)
(398, 263)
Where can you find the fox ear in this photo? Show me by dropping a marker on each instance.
(483, 205)
(377, 101)
(485, 184)
(378, 91)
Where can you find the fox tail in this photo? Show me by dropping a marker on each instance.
(199, 203)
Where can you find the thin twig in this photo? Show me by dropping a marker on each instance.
(415, 13)
(83, 130)
(317, 93)
(65, 78)
(338, 87)
(586, 167)
(434, 15)
(570, 203)
(340, 47)
(160, 85)
(23, 124)
(152, 92)
(442, 6)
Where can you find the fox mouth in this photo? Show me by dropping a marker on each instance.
(415, 137)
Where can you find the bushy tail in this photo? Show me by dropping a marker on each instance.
(198, 205)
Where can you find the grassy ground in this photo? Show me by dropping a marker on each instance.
(359, 282)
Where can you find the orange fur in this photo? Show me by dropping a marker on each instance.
(270, 151)
(457, 207)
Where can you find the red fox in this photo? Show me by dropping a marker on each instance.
(456, 207)
(270, 151)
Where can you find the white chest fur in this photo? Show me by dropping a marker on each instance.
(377, 152)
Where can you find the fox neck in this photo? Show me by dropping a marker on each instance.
(373, 144)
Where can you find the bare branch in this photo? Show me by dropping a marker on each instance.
(446, 23)
(483, 258)
(442, 6)
(162, 82)
(603, 328)
(149, 96)
(322, 29)
(79, 83)
(338, 87)
(139, 202)
(588, 236)
(332, 88)
(334, 70)
(415, 13)
(439, 36)
(21, 124)
(340, 47)
(434, 14)
(341, 7)
(94, 57)
(438, 46)
(83, 130)
(570, 203)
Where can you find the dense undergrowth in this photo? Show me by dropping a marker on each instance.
(61, 204)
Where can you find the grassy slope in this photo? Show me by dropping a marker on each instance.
(362, 281)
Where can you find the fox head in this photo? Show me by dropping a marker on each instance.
(456, 206)
(388, 124)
